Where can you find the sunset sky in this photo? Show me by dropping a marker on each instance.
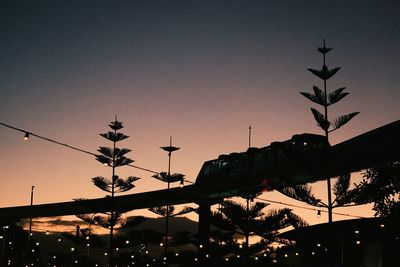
(199, 71)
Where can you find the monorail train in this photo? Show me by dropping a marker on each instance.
(259, 161)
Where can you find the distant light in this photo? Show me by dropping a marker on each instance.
(256, 258)
(358, 242)
(318, 245)
(286, 255)
(127, 242)
(177, 254)
(26, 137)
(382, 225)
(297, 254)
(356, 232)
(226, 259)
(313, 253)
(207, 256)
(161, 244)
(72, 249)
(200, 246)
(87, 238)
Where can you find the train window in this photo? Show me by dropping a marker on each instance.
(207, 169)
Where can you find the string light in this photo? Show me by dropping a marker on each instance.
(28, 134)
(307, 208)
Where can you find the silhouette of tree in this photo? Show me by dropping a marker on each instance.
(114, 158)
(344, 196)
(162, 211)
(381, 185)
(322, 98)
(236, 219)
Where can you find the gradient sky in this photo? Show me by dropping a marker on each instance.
(200, 71)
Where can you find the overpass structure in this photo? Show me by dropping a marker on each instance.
(366, 150)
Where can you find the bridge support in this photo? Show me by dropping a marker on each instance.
(204, 227)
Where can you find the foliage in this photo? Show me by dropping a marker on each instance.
(322, 98)
(381, 185)
(344, 196)
(234, 218)
(114, 158)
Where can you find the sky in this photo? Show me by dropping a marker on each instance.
(199, 71)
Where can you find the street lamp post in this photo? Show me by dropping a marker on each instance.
(169, 149)
(30, 218)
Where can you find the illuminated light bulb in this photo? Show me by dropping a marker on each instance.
(358, 242)
(72, 249)
(127, 242)
(356, 232)
(207, 256)
(286, 255)
(382, 225)
(26, 136)
(161, 244)
(195, 259)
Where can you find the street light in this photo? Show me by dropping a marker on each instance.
(30, 218)
(169, 149)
